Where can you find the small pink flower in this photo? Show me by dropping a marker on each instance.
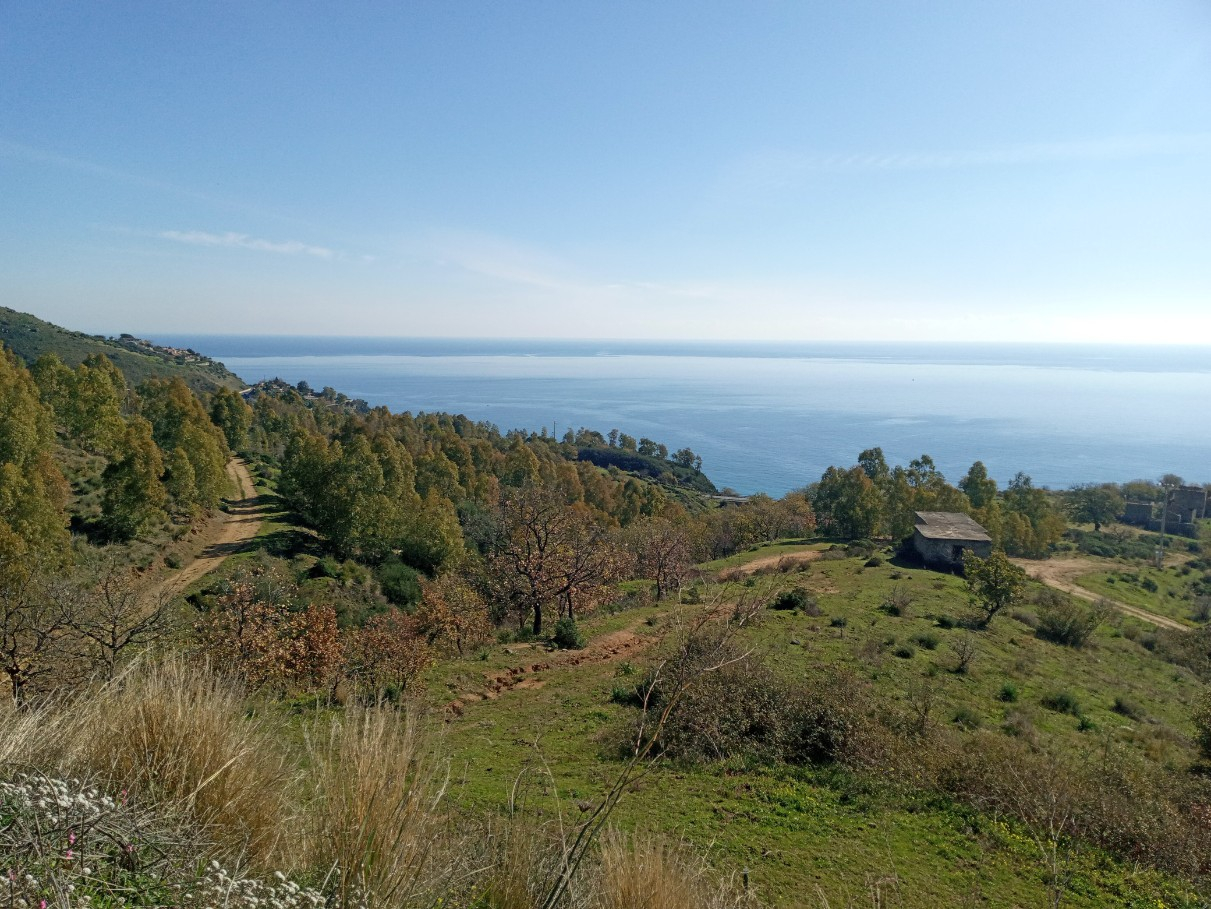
(71, 837)
(68, 856)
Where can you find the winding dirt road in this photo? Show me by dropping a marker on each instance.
(1062, 574)
(235, 530)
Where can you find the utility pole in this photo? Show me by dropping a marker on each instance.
(1160, 550)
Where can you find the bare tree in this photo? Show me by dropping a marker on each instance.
(36, 614)
(114, 616)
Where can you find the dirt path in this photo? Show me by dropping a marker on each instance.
(774, 561)
(1062, 574)
(236, 529)
(611, 648)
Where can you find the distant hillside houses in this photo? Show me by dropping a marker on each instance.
(1187, 505)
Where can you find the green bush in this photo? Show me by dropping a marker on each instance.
(400, 582)
(1008, 693)
(567, 635)
(906, 651)
(927, 640)
(797, 599)
(1067, 622)
(1127, 708)
(946, 621)
(1062, 702)
(967, 718)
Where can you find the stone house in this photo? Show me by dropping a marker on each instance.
(1187, 505)
(940, 538)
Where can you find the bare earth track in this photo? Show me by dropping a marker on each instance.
(238, 527)
(608, 649)
(1062, 574)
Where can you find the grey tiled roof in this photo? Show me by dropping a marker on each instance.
(949, 525)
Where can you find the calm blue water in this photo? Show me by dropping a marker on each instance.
(772, 417)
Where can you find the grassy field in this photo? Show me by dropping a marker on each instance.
(548, 738)
(1171, 591)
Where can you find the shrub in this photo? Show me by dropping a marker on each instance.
(627, 695)
(947, 622)
(1029, 619)
(906, 651)
(1127, 708)
(1202, 725)
(873, 562)
(1062, 702)
(1070, 623)
(1084, 724)
(1008, 693)
(838, 621)
(745, 711)
(796, 599)
(967, 718)
(897, 602)
(927, 640)
(567, 635)
(1149, 585)
(400, 582)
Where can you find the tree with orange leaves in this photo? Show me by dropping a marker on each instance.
(389, 652)
(452, 613)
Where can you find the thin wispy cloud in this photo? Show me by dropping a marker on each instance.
(782, 168)
(19, 151)
(232, 240)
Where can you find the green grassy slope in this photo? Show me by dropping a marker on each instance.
(816, 836)
(30, 337)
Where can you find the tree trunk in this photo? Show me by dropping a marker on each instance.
(537, 619)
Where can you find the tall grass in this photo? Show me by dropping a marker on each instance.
(642, 872)
(176, 735)
(375, 820)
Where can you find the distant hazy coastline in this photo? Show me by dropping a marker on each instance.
(771, 416)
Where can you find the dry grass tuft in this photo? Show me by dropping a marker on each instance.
(642, 872)
(180, 735)
(374, 818)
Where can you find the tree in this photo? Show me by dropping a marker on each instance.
(390, 651)
(1094, 504)
(686, 458)
(452, 612)
(848, 504)
(33, 492)
(178, 420)
(994, 583)
(979, 488)
(114, 615)
(544, 553)
(133, 496)
(229, 412)
(660, 551)
(874, 465)
(36, 614)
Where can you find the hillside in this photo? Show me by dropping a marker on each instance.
(29, 338)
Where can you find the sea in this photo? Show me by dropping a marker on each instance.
(771, 417)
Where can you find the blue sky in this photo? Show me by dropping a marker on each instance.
(894, 170)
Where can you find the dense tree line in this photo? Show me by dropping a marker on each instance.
(872, 499)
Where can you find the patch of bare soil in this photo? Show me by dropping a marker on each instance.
(1062, 574)
(231, 534)
(788, 560)
(609, 649)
